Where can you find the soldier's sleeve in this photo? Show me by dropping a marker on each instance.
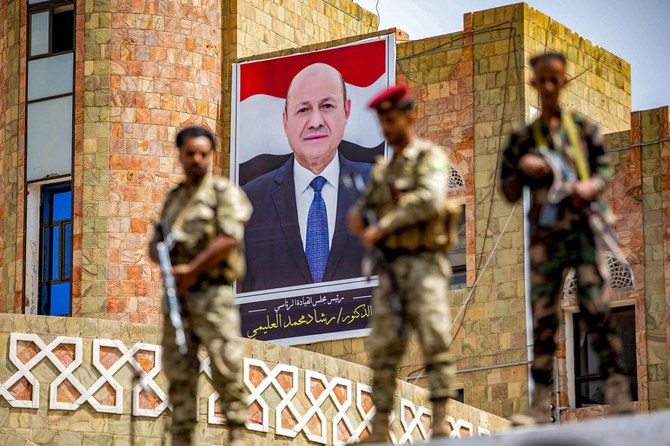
(511, 181)
(422, 202)
(232, 212)
(599, 160)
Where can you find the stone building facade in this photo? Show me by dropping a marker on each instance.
(143, 69)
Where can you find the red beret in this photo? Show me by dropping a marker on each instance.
(390, 98)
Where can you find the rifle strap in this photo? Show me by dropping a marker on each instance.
(574, 148)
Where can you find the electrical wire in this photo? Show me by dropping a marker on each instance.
(479, 269)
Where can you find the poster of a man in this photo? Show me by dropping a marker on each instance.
(303, 198)
(310, 130)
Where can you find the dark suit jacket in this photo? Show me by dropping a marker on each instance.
(274, 250)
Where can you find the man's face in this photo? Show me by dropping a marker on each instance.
(315, 116)
(395, 125)
(549, 80)
(195, 156)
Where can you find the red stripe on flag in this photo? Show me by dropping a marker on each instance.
(360, 65)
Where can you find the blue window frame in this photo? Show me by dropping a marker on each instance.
(56, 250)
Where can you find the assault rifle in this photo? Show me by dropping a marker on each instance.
(563, 186)
(169, 283)
(375, 257)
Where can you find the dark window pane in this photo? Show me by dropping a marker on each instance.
(62, 33)
(60, 299)
(458, 279)
(592, 393)
(44, 293)
(55, 253)
(56, 249)
(46, 253)
(457, 255)
(67, 252)
(62, 207)
(587, 373)
(625, 323)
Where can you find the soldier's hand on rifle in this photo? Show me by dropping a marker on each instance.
(356, 224)
(185, 276)
(371, 235)
(534, 166)
(585, 192)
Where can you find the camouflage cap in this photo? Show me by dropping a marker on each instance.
(392, 98)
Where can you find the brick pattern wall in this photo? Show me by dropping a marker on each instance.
(654, 125)
(265, 26)
(149, 69)
(600, 85)
(494, 333)
(91, 158)
(12, 129)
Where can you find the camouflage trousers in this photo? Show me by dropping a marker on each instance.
(211, 319)
(423, 283)
(551, 254)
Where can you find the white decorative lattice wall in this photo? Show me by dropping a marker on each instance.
(283, 398)
(620, 277)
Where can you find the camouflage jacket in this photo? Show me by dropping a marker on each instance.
(216, 207)
(522, 142)
(408, 195)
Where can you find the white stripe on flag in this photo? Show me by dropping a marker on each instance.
(260, 129)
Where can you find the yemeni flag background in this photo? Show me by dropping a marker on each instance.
(259, 143)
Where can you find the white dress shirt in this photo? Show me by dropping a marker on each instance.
(304, 194)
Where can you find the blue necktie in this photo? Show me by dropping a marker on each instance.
(316, 243)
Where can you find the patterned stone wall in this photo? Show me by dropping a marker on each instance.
(265, 26)
(69, 381)
(12, 128)
(649, 127)
(600, 81)
(148, 69)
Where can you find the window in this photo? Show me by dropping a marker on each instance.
(49, 142)
(50, 87)
(51, 29)
(56, 250)
(457, 255)
(459, 395)
(588, 381)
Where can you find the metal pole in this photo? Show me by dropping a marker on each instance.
(557, 392)
(529, 303)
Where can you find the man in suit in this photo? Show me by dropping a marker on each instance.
(298, 232)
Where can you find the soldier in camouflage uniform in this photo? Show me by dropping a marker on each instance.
(407, 196)
(206, 215)
(560, 234)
